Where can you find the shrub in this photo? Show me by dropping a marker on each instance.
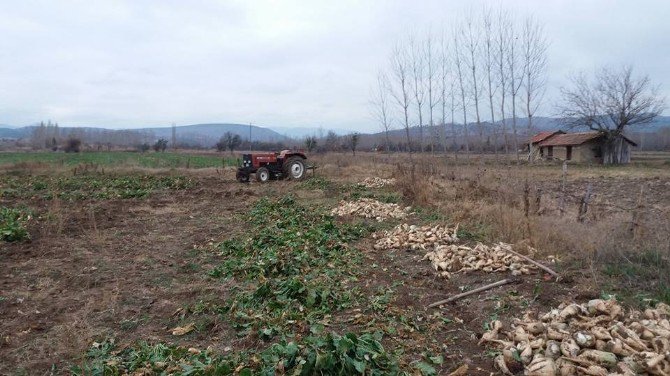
(143, 147)
(160, 145)
(12, 225)
(72, 145)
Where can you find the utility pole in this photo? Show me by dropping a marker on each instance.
(174, 136)
(249, 136)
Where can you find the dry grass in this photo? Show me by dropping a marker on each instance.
(520, 203)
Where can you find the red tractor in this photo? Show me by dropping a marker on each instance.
(285, 164)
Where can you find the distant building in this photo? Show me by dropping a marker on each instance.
(586, 147)
(533, 148)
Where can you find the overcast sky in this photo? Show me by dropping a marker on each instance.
(273, 63)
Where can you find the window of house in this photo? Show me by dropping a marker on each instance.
(550, 152)
(568, 153)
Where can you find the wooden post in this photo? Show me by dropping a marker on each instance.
(561, 204)
(526, 199)
(584, 204)
(538, 200)
(635, 225)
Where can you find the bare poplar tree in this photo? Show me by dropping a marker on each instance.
(458, 62)
(452, 107)
(417, 62)
(502, 47)
(433, 98)
(400, 91)
(174, 136)
(534, 45)
(610, 103)
(471, 37)
(515, 77)
(489, 67)
(380, 106)
(445, 88)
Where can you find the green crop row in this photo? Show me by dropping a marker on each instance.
(90, 186)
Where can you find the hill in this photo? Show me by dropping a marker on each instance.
(203, 134)
(209, 134)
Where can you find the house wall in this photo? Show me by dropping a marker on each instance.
(584, 153)
(535, 155)
(587, 152)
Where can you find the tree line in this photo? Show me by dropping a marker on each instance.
(484, 72)
(467, 87)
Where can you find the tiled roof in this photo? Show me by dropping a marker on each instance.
(543, 136)
(568, 139)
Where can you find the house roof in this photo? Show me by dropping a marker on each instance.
(571, 139)
(567, 139)
(543, 136)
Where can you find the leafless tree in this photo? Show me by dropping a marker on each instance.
(400, 90)
(489, 67)
(458, 63)
(381, 106)
(446, 88)
(471, 37)
(502, 46)
(534, 51)
(417, 63)
(431, 85)
(174, 136)
(610, 103)
(515, 77)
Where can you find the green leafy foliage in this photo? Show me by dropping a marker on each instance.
(105, 359)
(317, 182)
(118, 158)
(13, 224)
(90, 186)
(297, 267)
(319, 354)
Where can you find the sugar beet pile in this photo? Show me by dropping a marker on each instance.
(415, 237)
(376, 182)
(369, 208)
(596, 338)
(448, 258)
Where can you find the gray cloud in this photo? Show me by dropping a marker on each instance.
(284, 63)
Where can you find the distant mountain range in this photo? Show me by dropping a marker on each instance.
(539, 124)
(208, 134)
(310, 131)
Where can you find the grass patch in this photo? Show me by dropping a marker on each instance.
(651, 267)
(13, 224)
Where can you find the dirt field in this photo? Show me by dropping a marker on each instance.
(125, 256)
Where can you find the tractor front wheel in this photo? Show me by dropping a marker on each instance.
(294, 168)
(263, 175)
(242, 176)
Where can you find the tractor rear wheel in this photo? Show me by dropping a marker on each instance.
(263, 175)
(294, 168)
